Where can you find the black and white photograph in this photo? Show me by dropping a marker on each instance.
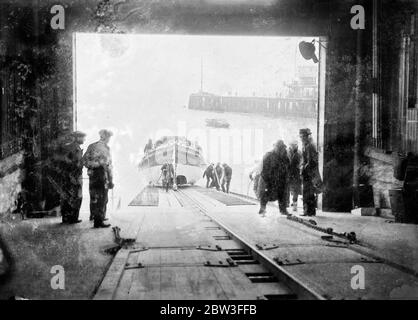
(209, 150)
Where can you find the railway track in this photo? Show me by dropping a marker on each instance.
(197, 258)
(300, 289)
(305, 261)
(194, 247)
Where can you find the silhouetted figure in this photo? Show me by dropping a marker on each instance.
(311, 179)
(98, 161)
(226, 179)
(167, 172)
(209, 175)
(217, 176)
(72, 178)
(295, 182)
(255, 176)
(274, 178)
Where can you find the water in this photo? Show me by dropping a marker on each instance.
(247, 139)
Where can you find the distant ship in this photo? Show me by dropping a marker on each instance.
(217, 123)
(185, 156)
(302, 107)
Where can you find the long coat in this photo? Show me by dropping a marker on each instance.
(310, 170)
(274, 175)
(72, 169)
(295, 181)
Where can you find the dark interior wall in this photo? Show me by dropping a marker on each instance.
(395, 22)
(329, 18)
(29, 65)
(348, 50)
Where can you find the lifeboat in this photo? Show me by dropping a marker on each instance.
(186, 158)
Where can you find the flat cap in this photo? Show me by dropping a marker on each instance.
(105, 133)
(305, 132)
(279, 143)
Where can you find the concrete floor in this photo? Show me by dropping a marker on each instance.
(36, 245)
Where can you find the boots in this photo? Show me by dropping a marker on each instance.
(101, 225)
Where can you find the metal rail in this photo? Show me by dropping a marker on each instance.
(301, 289)
(353, 243)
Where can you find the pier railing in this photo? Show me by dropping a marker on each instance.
(275, 107)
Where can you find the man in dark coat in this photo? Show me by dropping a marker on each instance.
(295, 183)
(274, 178)
(167, 172)
(311, 180)
(209, 175)
(72, 179)
(98, 161)
(226, 179)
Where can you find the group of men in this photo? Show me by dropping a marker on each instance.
(98, 161)
(218, 176)
(289, 172)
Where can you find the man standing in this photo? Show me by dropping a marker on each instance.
(295, 183)
(311, 180)
(254, 176)
(167, 172)
(218, 175)
(274, 178)
(209, 175)
(72, 180)
(98, 161)
(226, 179)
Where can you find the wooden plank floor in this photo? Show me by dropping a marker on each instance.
(147, 197)
(175, 257)
(323, 265)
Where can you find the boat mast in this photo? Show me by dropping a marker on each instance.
(175, 163)
(201, 74)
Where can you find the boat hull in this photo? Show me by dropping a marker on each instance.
(187, 161)
(191, 175)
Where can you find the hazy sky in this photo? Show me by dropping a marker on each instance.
(138, 85)
(163, 70)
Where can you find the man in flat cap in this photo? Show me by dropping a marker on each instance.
(72, 178)
(98, 162)
(311, 180)
(274, 178)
